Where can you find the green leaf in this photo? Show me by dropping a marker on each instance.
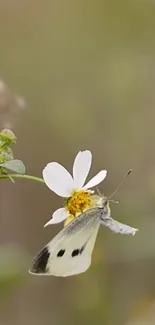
(14, 165)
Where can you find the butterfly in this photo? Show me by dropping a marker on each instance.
(70, 251)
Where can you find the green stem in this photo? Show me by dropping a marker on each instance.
(32, 178)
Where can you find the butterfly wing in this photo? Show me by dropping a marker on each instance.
(70, 252)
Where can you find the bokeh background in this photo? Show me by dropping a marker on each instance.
(80, 75)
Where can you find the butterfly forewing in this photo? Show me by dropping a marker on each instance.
(70, 251)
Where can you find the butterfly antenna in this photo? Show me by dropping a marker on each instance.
(99, 192)
(122, 182)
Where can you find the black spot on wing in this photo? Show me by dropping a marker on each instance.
(77, 251)
(40, 261)
(61, 253)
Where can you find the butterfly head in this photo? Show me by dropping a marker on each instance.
(102, 202)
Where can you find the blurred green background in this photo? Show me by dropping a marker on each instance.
(86, 70)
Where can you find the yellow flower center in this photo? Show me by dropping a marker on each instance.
(77, 204)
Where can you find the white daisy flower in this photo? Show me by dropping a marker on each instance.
(77, 195)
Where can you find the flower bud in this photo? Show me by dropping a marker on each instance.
(7, 136)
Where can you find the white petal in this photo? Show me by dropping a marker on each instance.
(81, 168)
(118, 227)
(96, 179)
(58, 216)
(58, 179)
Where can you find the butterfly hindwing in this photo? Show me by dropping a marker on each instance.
(70, 251)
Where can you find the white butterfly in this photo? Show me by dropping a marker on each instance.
(70, 252)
